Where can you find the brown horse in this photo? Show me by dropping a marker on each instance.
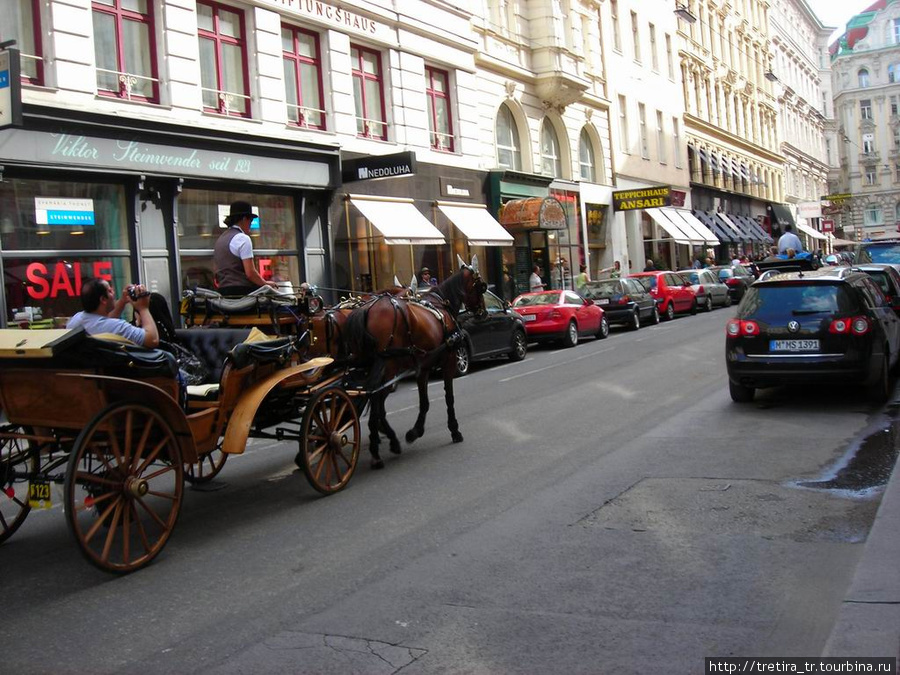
(393, 336)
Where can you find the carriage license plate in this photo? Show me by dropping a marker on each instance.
(39, 494)
(793, 345)
(528, 317)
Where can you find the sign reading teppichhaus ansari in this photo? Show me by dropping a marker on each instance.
(645, 198)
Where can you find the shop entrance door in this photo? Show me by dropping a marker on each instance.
(156, 239)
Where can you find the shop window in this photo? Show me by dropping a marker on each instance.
(25, 28)
(440, 117)
(223, 59)
(509, 153)
(368, 93)
(303, 77)
(41, 221)
(274, 235)
(124, 49)
(586, 157)
(551, 162)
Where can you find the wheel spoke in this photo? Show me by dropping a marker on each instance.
(3, 521)
(96, 500)
(126, 534)
(152, 513)
(163, 495)
(344, 428)
(100, 520)
(319, 467)
(140, 527)
(94, 450)
(129, 429)
(114, 441)
(337, 471)
(340, 452)
(141, 444)
(83, 477)
(111, 532)
(316, 454)
(162, 471)
(152, 457)
(321, 420)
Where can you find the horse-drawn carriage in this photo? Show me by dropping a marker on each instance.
(113, 424)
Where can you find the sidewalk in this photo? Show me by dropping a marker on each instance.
(868, 623)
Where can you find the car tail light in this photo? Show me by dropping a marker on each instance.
(858, 325)
(731, 281)
(624, 300)
(741, 328)
(700, 290)
(554, 314)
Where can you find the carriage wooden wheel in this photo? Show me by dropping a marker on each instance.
(18, 461)
(124, 487)
(329, 444)
(207, 467)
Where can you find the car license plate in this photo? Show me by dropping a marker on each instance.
(528, 317)
(603, 301)
(793, 345)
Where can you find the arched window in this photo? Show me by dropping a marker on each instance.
(509, 153)
(863, 76)
(586, 158)
(551, 163)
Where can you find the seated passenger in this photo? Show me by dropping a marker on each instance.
(102, 312)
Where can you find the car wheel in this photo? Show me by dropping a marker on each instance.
(694, 307)
(463, 360)
(654, 317)
(570, 339)
(636, 319)
(740, 393)
(880, 390)
(603, 331)
(728, 299)
(520, 346)
(670, 312)
(708, 304)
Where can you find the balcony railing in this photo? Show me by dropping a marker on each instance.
(226, 102)
(304, 116)
(127, 85)
(371, 128)
(869, 157)
(441, 142)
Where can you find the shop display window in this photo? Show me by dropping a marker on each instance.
(45, 292)
(274, 235)
(44, 215)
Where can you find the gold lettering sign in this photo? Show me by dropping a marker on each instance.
(645, 198)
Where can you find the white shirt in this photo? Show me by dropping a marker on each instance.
(535, 283)
(97, 323)
(241, 246)
(789, 240)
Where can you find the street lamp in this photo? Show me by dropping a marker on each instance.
(770, 76)
(684, 14)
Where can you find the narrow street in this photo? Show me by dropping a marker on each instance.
(610, 511)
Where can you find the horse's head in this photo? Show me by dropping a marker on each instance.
(473, 286)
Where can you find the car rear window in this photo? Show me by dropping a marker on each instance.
(880, 277)
(770, 301)
(693, 277)
(884, 253)
(648, 283)
(538, 299)
(601, 289)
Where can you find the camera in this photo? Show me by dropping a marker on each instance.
(134, 294)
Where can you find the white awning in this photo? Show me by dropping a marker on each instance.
(474, 221)
(807, 230)
(671, 228)
(700, 231)
(398, 220)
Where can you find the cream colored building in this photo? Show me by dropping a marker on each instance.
(648, 139)
(799, 67)
(735, 163)
(866, 79)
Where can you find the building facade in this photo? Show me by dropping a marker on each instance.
(865, 64)
(734, 159)
(799, 66)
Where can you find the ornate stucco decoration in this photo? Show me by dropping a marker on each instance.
(510, 86)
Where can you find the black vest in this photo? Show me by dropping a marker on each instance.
(229, 268)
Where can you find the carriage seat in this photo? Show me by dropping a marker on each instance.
(117, 358)
(212, 345)
(208, 301)
(268, 351)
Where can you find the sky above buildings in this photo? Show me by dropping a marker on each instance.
(838, 13)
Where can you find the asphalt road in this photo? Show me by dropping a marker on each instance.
(610, 511)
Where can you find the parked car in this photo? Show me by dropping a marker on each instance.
(829, 325)
(673, 294)
(560, 315)
(888, 279)
(885, 250)
(737, 277)
(501, 332)
(709, 290)
(625, 301)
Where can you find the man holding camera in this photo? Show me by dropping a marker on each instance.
(102, 311)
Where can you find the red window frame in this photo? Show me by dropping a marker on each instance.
(359, 74)
(218, 39)
(122, 15)
(297, 59)
(441, 139)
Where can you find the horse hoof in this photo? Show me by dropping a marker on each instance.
(457, 437)
(395, 447)
(411, 436)
(377, 464)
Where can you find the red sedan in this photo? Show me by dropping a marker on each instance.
(673, 293)
(560, 315)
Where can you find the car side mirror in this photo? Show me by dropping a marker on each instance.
(506, 305)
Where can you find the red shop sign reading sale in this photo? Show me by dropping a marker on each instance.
(63, 278)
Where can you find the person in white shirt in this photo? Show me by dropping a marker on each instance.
(789, 240)
(534, 281)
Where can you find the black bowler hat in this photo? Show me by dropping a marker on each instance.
(238, 210)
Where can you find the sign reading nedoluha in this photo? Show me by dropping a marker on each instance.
(379, 166)
(645, 198)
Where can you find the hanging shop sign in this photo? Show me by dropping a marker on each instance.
(458, 187)
(543, 213)
(645, 198)
(379, 166)
(827, 225)
(10, 89)
(129, 154)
